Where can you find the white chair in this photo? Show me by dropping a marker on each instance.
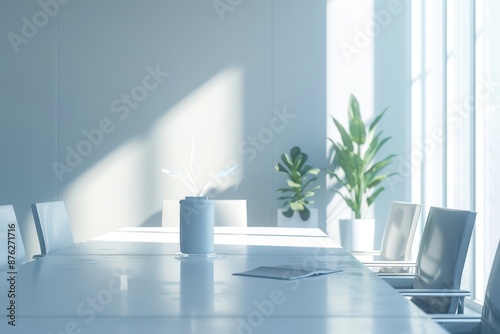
(226, 213)
(440, 262)
(489, 322)
(230, 213)
(10, 243)
(52, 226)
(398, 236)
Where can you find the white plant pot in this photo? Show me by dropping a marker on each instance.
(357, 234)
(296, 221)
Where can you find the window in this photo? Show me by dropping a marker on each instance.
(487, 157)
(455, 112)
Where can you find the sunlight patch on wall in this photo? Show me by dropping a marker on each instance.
(202, 133)
(127, 188)
(108, 194)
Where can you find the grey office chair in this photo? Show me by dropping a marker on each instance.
(52, 226)
(11, 242)
(398, 236)
(440, 261)
(489, 322)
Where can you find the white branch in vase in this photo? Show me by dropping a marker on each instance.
(190, 180)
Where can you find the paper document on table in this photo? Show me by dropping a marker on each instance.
(286, 273)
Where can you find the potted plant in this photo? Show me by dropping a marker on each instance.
(357, 172)
(297, 196)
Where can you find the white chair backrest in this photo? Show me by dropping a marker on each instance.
(226, 213)
(170, 213)
(441, 256)
(52, 226)
(11, 242)
(399, 231)
(230, 213)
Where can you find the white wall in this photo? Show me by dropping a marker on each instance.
(27, 116)
(232, 75)
(86, 72)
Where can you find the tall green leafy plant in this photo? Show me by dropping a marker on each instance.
(353, 164)
(297, 196)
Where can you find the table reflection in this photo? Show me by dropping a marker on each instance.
(197, 285)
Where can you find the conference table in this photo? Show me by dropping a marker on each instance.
(133, 280)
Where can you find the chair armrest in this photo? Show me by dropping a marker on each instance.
(399, 281)
(458, 323)
(392, 267)
(434, 292)
(461, 294)
(455, 318)
(390, 264)
(395, 275)
(373, 252)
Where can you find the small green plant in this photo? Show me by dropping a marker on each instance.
(300, 177)
(354, 155)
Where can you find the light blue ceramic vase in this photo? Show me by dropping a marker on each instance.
(196, 225)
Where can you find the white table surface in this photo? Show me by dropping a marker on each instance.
(131, 281)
